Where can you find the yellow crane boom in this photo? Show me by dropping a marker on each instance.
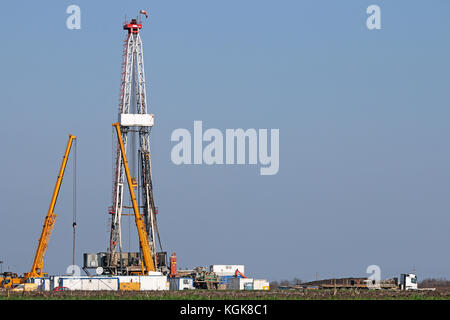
(38, 262)
(140, 224)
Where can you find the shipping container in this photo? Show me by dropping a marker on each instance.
(128, 279)
(153, 282)
(181, 284)
(226, 279)
(130, 286)
(240, 284)
(89, 283)
(54, 282)
(261, 284)
(43, 284)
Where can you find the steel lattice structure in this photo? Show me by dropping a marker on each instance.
(134, 118)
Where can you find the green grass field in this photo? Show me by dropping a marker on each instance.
(229, 295)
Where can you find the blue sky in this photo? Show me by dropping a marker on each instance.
(363, 116)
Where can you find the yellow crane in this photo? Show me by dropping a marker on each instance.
(38, 262)
(140, 224)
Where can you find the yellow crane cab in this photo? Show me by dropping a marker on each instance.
(9, 280)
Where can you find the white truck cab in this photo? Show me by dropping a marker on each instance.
(408, 281)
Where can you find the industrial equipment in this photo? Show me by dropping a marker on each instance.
(181, 284)
(129, 286)
(238, 273)
(205, 279)
(9, 279)
(134, 126)
(149, 264)
(49, 222)
(173, 265)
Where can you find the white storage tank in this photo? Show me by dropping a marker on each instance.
(226, 269)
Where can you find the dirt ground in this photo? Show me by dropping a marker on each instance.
(439, 293)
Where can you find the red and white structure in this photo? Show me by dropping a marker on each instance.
(136, 124)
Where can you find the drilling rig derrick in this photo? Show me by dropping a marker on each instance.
(135, 124)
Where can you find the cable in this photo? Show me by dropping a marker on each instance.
(74, 221)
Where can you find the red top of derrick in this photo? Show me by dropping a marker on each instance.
(132, 26)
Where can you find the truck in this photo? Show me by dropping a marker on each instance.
(8, 280)
(408, 281)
